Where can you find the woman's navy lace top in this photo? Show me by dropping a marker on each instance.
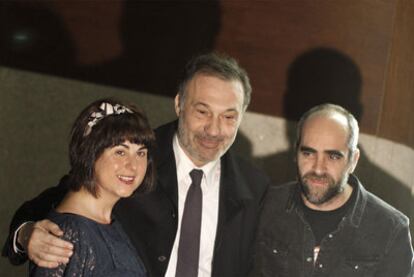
(99, 249)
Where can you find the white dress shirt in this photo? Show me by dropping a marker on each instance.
(210, 184)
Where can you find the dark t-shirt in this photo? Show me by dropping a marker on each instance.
(325, 222)
(99, 249)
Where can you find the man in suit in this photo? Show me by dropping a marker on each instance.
(210, 104)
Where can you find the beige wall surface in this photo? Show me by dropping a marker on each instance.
(36, 112)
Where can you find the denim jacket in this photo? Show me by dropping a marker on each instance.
(373, 239)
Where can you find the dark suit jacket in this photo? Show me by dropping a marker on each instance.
(150, 220)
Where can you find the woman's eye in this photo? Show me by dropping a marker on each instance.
(120, 152)
(142, 154)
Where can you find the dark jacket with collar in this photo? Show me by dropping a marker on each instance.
(373, 239)
(150, 220)
(153, 223)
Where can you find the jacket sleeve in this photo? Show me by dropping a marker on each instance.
(398, 261)
(33, 210)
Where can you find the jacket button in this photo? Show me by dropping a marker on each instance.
(162, 258)
(173, 215)
(274, 251)
(309, 259)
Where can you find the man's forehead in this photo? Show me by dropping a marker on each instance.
(216, 78)
(330, 121)
(207, 88)
(325, 130)
(329, 115)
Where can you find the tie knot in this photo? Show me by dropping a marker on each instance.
(196, 175)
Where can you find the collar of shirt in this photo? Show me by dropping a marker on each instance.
(185, 165)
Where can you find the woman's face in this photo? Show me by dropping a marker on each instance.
(120, 170)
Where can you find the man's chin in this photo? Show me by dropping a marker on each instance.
(319, 196)
(315, 200)
(209, 154)
(209, 158)
(314, 194)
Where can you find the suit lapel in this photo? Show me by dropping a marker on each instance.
(165, 162)
(234, 193)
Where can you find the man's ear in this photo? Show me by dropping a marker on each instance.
(355, 159)
(177, 104)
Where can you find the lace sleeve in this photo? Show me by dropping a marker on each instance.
(83, 260)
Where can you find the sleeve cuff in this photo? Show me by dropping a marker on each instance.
(16, 246)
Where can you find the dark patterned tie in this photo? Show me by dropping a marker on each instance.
(189, 246)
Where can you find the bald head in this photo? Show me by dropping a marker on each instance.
(337, 114)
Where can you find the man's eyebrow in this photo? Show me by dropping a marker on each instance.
(201, 104)
(307, 149)
(334, 152)
(232, 110)
(207, 107)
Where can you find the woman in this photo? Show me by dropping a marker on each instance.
(110, 156)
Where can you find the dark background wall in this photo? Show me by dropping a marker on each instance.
(143, 45)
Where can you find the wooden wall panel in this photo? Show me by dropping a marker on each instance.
(95, 29)
(267, 37)
(357, 52)
(397, 117)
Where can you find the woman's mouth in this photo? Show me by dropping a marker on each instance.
(129, 180)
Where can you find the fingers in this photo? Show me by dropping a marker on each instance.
(49, 226)
(44, 258)
(42, 263)
(44, 248)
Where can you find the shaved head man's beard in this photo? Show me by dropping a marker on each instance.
(320, 194)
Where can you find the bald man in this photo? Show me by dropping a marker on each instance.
(326, 223)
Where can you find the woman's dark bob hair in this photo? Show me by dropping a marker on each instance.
(88, 143)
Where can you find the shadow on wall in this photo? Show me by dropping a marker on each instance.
(157, 40)
(33, 38)
(319, 76)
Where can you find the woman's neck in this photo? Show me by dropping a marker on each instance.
(83, 203)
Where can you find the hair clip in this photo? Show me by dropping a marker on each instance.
(106, 109)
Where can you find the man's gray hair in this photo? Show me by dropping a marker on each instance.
(217, 65)
(329, 109)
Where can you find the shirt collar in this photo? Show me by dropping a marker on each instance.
(360, 201)
(355, 213)
(185, 165)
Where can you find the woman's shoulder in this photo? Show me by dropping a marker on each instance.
(77, 230)
(63, 219)
(74, 227)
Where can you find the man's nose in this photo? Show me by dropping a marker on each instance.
(213, 127)
(319, 164)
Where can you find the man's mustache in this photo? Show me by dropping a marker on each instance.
(315, 176)
(211, 138)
